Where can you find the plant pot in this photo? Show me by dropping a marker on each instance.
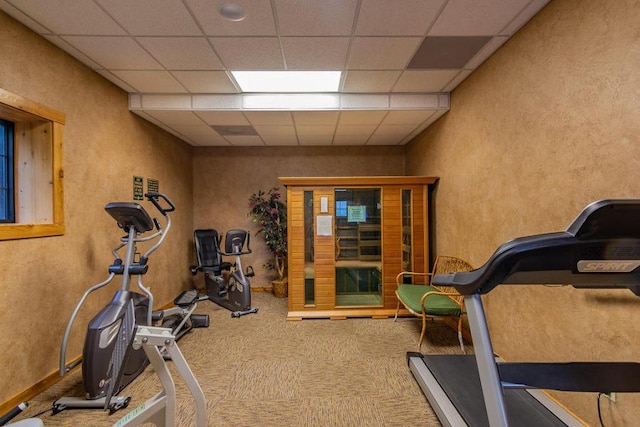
(280, 288)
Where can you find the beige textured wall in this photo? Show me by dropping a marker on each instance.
(104, 146)
(547, 125)
(224, 178)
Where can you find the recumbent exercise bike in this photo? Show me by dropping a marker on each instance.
(226, 284)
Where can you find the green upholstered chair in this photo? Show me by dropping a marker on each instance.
(422, 299)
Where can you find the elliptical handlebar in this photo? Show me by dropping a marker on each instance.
(154, 197)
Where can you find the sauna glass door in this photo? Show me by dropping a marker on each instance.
(309, 266)
(358, 240)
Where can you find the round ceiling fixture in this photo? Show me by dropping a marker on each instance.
(232, 11)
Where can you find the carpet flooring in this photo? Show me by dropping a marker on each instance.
(261, 370)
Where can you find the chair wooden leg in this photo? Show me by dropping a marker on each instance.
(422, 333)
(460, 333)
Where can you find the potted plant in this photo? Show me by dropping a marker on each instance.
(269, 211)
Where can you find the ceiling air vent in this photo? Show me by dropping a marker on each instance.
(234, 130)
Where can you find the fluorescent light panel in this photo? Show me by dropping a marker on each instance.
(288, 81)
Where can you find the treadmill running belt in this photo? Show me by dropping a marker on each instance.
(458, 377)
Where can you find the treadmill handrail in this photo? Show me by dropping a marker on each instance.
(555, 258)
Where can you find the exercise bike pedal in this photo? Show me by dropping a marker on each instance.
(250, 272)
(243, 312)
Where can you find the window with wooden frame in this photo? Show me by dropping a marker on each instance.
(31, 198)
(6, 172)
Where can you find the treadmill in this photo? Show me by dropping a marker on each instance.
(599, 250)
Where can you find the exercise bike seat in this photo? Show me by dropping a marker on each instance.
(207, 243)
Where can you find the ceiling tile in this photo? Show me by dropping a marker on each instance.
(361, 118)
(315, 53)
(447, 52)
(162, 17)
(120, 53)
(370, 81)
(525, 15)
(350, 140)
(476, 18)
(201, 134)
(364, 131)
(276, 130)
(312, 139)
(70, 17)
(19, 16)
(207, 141)
(396, 18)
(62, 44)
(258, 22)
(204, 141)
(459, 78)
(394, 131)
(484, 53)
(245, 140)
(182, 53)
(424, 80)
(205, 81)
(304, 118)
(201, 129)
(269, 118)
(278, 135)
(150, 81)
(249, 53)
(315, 18)
(227, 118)
(383, 140)
(115, 80)
(407, 117)
(173, 118)
(280, 139)
(385, 53)
(306, 132)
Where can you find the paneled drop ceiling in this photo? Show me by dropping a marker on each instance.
(399, 59)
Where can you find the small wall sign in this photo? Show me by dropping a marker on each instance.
(138, 189)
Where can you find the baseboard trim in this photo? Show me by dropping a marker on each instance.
(48, 381)
(54, 377)
(31, 392)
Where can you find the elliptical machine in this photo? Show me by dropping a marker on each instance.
(109, 363)
(227, 284)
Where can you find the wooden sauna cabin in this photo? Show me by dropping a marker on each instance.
(348, 239)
